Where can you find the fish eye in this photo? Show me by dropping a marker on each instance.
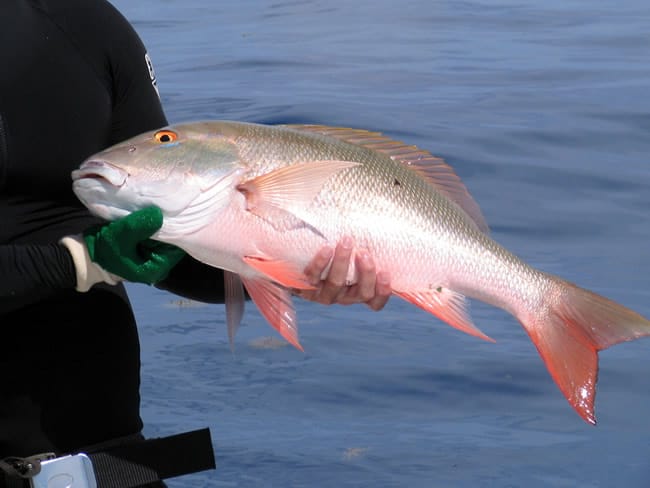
(165, 136)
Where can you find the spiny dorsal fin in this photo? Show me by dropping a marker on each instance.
(433, 169)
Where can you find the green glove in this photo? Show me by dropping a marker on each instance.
(123, 247)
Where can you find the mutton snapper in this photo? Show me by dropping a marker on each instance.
(259, 202)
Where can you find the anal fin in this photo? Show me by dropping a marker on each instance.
(448, 305)
(274, 303)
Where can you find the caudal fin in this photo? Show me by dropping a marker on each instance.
(577, 324)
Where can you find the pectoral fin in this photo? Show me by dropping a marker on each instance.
(291, 187)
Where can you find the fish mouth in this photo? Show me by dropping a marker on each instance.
(97, 169)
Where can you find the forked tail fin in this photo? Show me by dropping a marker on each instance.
(576, 325)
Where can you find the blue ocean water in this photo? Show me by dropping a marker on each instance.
(543, 108)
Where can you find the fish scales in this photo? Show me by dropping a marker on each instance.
(417, 221)
(413, 213)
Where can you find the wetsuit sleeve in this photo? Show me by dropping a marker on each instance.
(34, 272)
(31, 272)
(195, 280)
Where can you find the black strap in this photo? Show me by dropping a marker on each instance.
(132, 465)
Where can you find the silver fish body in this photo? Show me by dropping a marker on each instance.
(259, 201)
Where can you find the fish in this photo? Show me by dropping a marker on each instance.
(259, 201)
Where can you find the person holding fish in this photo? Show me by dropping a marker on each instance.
(80, 81)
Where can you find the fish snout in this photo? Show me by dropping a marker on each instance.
(101, 170)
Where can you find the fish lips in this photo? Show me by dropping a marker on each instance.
(102, 171)
(96, 183)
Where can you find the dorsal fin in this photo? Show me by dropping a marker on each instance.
(433, 169)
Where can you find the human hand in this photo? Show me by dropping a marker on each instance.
(372, 287)
(122, 250)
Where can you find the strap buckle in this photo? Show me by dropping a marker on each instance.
(24, 467)
(74, 471)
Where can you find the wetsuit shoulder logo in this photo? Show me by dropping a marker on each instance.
(152, 73)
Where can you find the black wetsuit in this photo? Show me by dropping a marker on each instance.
(73, 80)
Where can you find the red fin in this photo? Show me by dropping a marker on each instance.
(448, 306)
(576, 327)
(274, 303)
(433, 169)
(287, 274)
(290, 186)
(234, 299)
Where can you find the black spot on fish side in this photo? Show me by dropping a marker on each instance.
(396, 182)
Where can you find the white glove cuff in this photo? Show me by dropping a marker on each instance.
(88, 272)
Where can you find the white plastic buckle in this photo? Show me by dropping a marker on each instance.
(75, 471)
